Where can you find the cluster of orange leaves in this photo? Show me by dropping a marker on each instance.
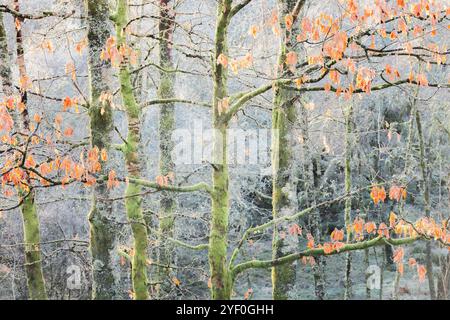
(47, 171)
(327, 28)
(359, 228)
(398, 258)
(163, 181)
(235, 64)
(378, 193)
(116, 54)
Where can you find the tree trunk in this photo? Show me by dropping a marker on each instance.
(426, 196)
(348, 202)
(133, 197)
(284, 173)
(310, 195)
(218, 243)
(31, 229)
(103, 227)
(166, 127)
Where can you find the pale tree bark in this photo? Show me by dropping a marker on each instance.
(166, 217)
(31, 228)
(133, 196)
(103, 226)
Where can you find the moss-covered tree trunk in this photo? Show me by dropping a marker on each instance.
(33, 266)
(284, 193)
(133, 197)
(348, 202)
(311, 183)
(103, 227)
(217, 254)
(166, 145)
(31, 229)
(426, 197)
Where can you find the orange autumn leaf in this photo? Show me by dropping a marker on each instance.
(162, 181)
(328, 248)
(402, 26)
(112, 182)
(104, 155)
(398, 255)
(80, 46)
(176, 281)
(378, 194)
(18, 24)
(37, 118)
(383, 230)
(393, 35)
(248, 294)
(310, 243)
(370, 227)
(358, 226)
(337, 235)
(334, 76)
(71, 70)
(291, 58)
(392, 219)
(222, 60)
(29, 162)
(416, 9)
(289, 21)
(67, 103)
(421, 271)
(298, 82)
(397, 193)
(25, 83)
(388, 69)
(422, 80)
(295, 229)
(48, 45)
(306, 25)
(68, 132)
(400, 268)
(253, 30)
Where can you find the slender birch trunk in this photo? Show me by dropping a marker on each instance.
(133, 197)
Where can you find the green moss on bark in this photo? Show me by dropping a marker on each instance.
(166, 164)
(133, 197)
(33, 260)
(284, 116)
(103, 229)
(221, 283)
